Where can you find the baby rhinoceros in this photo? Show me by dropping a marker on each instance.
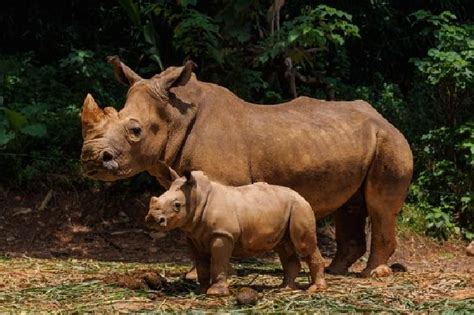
(223, 221)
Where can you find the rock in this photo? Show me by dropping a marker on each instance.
(247, 296)
(470, 249)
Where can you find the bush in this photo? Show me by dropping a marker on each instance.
(444, 188)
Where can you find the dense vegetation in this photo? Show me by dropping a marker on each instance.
(413, 60)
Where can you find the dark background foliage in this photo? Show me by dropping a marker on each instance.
(413, 60)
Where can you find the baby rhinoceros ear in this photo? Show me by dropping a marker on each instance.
(196, 178)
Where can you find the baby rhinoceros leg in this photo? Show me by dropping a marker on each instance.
(303, 236)
(221, 250)
(316, 268)
(290, 263)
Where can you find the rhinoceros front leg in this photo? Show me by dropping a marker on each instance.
(192, 273)
(201, 267)
(221, 250)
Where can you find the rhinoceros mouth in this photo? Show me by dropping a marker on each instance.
(92, 173)
(100, 172)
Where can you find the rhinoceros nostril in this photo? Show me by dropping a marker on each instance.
(107, 156)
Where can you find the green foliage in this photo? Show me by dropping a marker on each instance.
(318, 28)
(39, 117)
(16, 123)
(314, 41)
(197, 35)
(452, 57)
(146, 27)
(387, 98)
(358, 50)
(449, 65)
(444, 188)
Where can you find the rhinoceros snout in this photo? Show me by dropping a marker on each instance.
(153, 220)
(91, 160)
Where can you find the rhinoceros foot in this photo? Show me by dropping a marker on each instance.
(317, 287)
(379, 272)
(191, 274)
(218, 289)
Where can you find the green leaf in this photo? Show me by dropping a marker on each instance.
(15, 119)
(6, 136)
(35, 130)
(34, 109)
(185, 3)
(132, 10)
(292, 36)
(149, 33)
(157, 59)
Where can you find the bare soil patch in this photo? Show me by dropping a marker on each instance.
(89, 251)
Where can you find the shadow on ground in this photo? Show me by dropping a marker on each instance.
(107, 225)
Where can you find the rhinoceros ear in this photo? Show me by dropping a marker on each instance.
(91, 112)
(165, 174)
(177, 77)
(122, 72)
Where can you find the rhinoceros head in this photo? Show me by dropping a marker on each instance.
(176, 208)
(121, 144)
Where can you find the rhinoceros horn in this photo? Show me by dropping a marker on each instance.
(91, 112)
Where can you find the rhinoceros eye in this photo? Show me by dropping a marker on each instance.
(136, 131)
(176, 206)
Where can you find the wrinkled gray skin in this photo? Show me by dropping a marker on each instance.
(342, 157)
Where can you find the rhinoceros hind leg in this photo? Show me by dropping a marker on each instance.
(385, 190)
(316, 269)
(350, 235)
(290, 263)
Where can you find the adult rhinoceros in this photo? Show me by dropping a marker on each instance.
(343, 157)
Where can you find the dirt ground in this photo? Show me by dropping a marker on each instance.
(90, 251)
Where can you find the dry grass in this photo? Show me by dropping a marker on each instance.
(81, 285)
